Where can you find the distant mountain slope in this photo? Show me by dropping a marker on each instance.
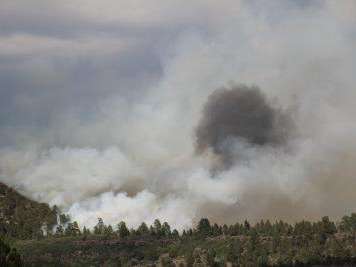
(21, 217)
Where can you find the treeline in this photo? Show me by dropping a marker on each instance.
(204, 228)
(158, 229)
(264, 243)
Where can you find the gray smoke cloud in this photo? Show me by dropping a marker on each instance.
(240, 112)
(101, 101)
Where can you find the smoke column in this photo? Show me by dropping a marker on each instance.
(145, 147)
(240, 112)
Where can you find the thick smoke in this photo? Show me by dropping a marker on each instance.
(243, 113)
(103, 115)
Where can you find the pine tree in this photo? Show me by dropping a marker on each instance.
(86, 231)
(143, 229)
(76, 229)
(108, 231)
(166, 229)
(122, 230)
(157, 227)
(216, 230)
(204, 228)
(99, 227)
(175, 233)
(247, 226)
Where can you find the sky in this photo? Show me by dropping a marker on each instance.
(100, 101)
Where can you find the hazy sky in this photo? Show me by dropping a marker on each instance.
(100, 101)
(68, 56)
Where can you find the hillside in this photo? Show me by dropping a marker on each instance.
(321, 243)
(21, 217)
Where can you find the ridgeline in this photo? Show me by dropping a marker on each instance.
(31, 229)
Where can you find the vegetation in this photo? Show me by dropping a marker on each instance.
(264, 244)
(41, 242)
(23, 218)
(9, 257)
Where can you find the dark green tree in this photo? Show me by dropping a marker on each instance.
(175, 233)
(247, 226)
(157, 226)
(122, 230)
(99, 227)
(143, 229)
(204, 228)
(86, 231)
(108, 231)
(216, 230)
(166, 229)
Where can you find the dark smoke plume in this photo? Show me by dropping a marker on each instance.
(240, 112)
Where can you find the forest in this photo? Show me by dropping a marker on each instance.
(34, 234)
(266, 243)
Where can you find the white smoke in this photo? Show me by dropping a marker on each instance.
(137, 162)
